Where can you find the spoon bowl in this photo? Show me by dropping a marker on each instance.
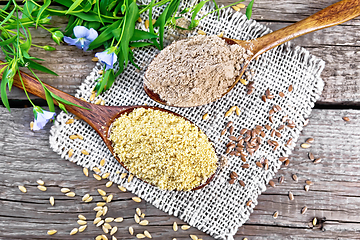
(99, 117)
(335, 14)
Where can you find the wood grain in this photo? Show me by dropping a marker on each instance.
(26, 157)
(339, 46)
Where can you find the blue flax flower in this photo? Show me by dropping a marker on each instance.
(42, 117)
(83, 38)
(108, 57)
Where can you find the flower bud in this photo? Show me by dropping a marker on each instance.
(185, 10)
(57, 36)
(10, 72)
(49, 48)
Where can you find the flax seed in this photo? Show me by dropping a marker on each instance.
(317, 160)
(305, 145)
(290, 88)
(241, 182)
(281, 179)
(295, 177)
(246, 165)
(74, 231)
(84, 152)
(70, 194)
(271, 119)
(205, 116)
(311, 156)
(309, 140)
(97, 177)
(281, 94)
(89, 199)
(64, 190)
(100, 223)
(40, 182)
(96, 169)
(291, 196)
(263, 98)
(259, 164)
(105, 210)
(194, 237)
(136, 199)
(223, 132)
(123, 175)
(175, 227)
(109, 198)
(271, 183)
(314, 221)
(144, 222)
(249, 203)
(130, 178)
(270, 96)
(201, 32)
(82, 228)
(287, 162)
(123, 189)
(86, 172)
(304, 209)
(113, 230)
(94, 59)
(119, 219)
(233, 175)
(102, 162)
(307, 187)
(81, 222)
(42, 188)
(105, 175)
(237, 111)
(346, 119)
(52, 200)
(276, 214)
(236, 8)
(244, 82)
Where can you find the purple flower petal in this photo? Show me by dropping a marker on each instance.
(108, 58)
(42, 119)
(81, 32)
(92, 35)
(86, 45)
(70, 41)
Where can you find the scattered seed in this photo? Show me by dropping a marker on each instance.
(147, 234)
(236, 8)
(81, 222)
(105, 175)
(107, 226)
(136, 218)
(70, 194)
(94, 59)
(291, 196)
(97, 220)
(205, 116)
(104, 237)
(101, 204)
(346, 119)
(142, 215)
(175, 227)
(281, 179)
(64, 190)
(104, 198)
(144, 222)
(52, 201)
(85, 197)
(86, 172)
(249, 203)
(241, 182)
(306, 122)
(147, 23)
(271, 183)
(100, 223)
(51, 232)
(295, 177)
(97, 177)
(99, 213)
(308, 182)
(140, 235)
(259, 164)
(246, 165)
(237, 111)
(42, 188)
(105, 230)
(311, 156)
(98, 237)
(102, 162)
(82, 217)
(108, 184)
(70, 121)
(123, 189)
(84, 152)
(314, 221)
(105, 210)
(40, 182)
(194, 237)
(82, 228)
(290, 88)
(96, 169)
(80, 136)
(119, 219)
(201, 32)
(74, 231)
(138, 211)
(131, 230)
(310, 140)
(101, 192)
(31, 125)
(318, 160)
(303, 210)
(281, 94)
(98, 208)
(287, 162)
(70, 152)
(89, 199)
(73, 137)
(22, 189)
(305, 145)
(276, 214)
(123, 175)
(136, 199)
(185, 227)
(263, 97)
(113, 230)
(130, 177)
(109, 198)
(307, 187)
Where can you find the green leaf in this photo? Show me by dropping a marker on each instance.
(26, 45)
(59, 99)
(4, 97)
(142, 35)
(108, 76)
(104, 36)
(41, 10)
(73, 6)
(8, 17)
(132, 14)
(35, 65)
(140, 44)
(249, 9)
(28, 9)
(62, 107)
(49, 100)
(195, 11)
(8, 41)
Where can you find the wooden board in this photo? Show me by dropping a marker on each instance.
(338, 46)
(25, 157)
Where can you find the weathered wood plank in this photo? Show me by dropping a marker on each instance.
(25, 157)
(338, 46)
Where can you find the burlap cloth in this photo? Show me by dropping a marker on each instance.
(219, 209)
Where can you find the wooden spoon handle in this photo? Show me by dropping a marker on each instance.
(95, 116)
(335, 14)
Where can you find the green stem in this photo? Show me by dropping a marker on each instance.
(148, 6)
(216, 10)
(27, 95)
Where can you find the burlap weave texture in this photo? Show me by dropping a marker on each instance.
(220, 208)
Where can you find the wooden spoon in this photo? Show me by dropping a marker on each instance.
(335, 14)
(98, 117)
